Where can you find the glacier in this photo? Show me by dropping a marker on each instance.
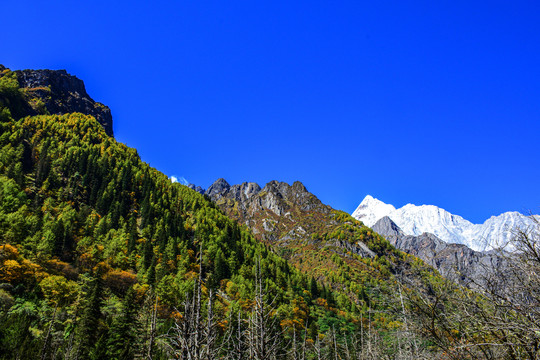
(496, 232)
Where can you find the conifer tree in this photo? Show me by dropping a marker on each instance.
(88, 331)
(121, 344)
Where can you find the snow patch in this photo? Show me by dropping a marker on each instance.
(182, 180)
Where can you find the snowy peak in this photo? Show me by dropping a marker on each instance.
(370, 210)
(495, 232)
(416, 220)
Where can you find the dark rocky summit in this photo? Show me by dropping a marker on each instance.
(197, 188)
(277, 198)
(387, 228)
(282, 214)
(218, 188)
(61, 93)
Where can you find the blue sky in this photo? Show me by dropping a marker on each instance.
(428, 102)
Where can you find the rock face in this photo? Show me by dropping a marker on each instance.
(218, 188)
(197, 188)
(387, 227)
(63, 93)
(453, 261)
(282, 214)
(276, 197)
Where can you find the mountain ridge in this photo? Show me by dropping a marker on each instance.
(495, 232)
(103, 256)
(92, 237)
(456, 262)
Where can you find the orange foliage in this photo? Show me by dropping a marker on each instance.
(16, 269)
(102, 267)
(119, 280)
(322, 303)
(62, 267)
(8, 251)
(11, 271)
(86, 259)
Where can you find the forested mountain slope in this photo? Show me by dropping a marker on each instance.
(307, 232)
(102, 257)
(329, 244)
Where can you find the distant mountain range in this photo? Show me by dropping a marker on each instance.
(495, 232)
(456, 262)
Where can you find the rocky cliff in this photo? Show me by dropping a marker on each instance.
(287, 216)
(58, 92)
(276, 206)
(197, 188)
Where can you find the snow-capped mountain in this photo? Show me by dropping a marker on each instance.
(415, 220)
(371, 210)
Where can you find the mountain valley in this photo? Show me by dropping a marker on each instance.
(104, 257)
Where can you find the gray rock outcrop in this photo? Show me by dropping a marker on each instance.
(197, 188)
(453, 261)
(281, 213)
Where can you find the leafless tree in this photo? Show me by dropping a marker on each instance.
(263, 332)
(499, 319)
(152, 329)
(235, 338)
(318, 348)
(195, 336)
(298, 344)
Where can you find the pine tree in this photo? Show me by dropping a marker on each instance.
(313, 288)
(88, 332)
(121, 344)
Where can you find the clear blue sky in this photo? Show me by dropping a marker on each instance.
(428, 102)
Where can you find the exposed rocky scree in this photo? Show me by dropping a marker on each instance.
(62, 93)
(453, 261)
